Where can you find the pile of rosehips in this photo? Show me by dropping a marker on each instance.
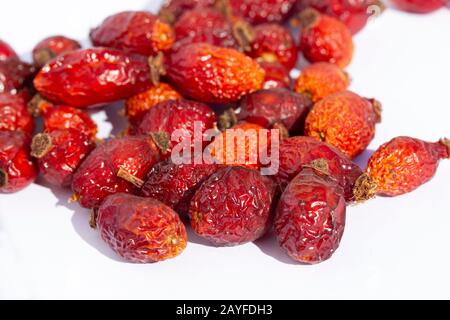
(226, 65)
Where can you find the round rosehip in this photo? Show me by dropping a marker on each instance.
(6, 51)
(419, 6)
(52, 47)
(14, 115)
(276, 75)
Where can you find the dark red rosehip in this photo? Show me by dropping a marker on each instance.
(261, 11)
(171, 10)
(276, 75)
(15, 75)
(14, 114)
(52, 47)
(419, 6)
(6, 51)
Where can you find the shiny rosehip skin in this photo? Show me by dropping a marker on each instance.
(6, 51)
(261, 11)
(310, 217)
(14, 114)
(419, 6)
(15, 75)
(52, 47)
(276, 75)
(171, 10)
(140, 230)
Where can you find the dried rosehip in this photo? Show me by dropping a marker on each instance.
(299, 152)
(419, 6)
(276, 75)
(232, 207)
(14, 114)
(321, 79)
(60, 117)
(17, 169)
(270, 108)
(274, 43)
(140, 230)
(260, 11)
(310, 217)
(52, 47)
(172, 115)
(171, 10)
(138, 105)
(118, 165)
(344, 120)
(6, 51)
(175, 184)
(59, 154)
(86, 78)
(135, 32)
(401, 166)
(15, 75)
(212, 74)
(325, 39)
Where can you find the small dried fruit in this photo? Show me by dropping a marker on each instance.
(419, 6)
(212, 74)
(14, 115)
(15, 75)
(401, 166)
(260, 11)
(310, 217)
(135, 32)
(276, 75)
(52, 47)
(86, 78)
(118, 165)
(232, 207)
(171, 10)
(175, 184)
(325, 39)
(344, 120)
(138, 105)
(321, 79)
(140, 230)
(17, 169)
(6, 51)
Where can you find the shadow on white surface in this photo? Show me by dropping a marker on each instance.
(268, 245)
(363, 158)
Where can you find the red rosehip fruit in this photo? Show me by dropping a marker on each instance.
(14, 115)
(276, 75)
(6, 51)
(52, 47)
(419, 6)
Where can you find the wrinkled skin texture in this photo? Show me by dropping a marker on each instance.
(138, 32)
(141, 230)
(137, 106)
(298, 152)
(310, 218)
(15, 75)
(325, 39)
(6, 51)
(268, 107)
(344, 120)
(17, 170)
(62, 156)
(90, 77)
(232, 207)
(276, 75)
(97, 177)
(52, 47)
(14, 114)
(212, 74)
(273, 42)
(175, 185)
(174, 115)
(171, 10)
(261, 11)
(419, 6)
(404, 164)
(320, 80)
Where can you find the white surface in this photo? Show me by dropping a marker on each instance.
(392, 248)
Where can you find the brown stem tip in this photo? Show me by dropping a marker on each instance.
(284, 132)
(73, 198)
(365, 188)
(41, 145)
(243, 33)
(446, 142)
(3, 178)
(162, 140)
(377, 108)
(42, 56)
(308, 18)
(124, 174)
(227, 120)
(157, 70)
(167, 16)
(93, 219)
(35, 105)
(321, 165)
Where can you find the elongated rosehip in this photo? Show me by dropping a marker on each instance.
(276, 75)
(232, 207)
(260, 11)
(310, 217)
(140, 230)
(274, 43)
(325, 39)
(86, 78)
(118, 165)
(17, 169)
(135, 32)
(171, 10)
(175, 184)
(6, 51)
(212, 74)
(419, 6)
(344, 120)
(14, 114)
(52, 47)
(401, 166)
(138, 105)
(15, 75)
(296, 153)
(321, 79)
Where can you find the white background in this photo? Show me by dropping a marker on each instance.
(392, 248)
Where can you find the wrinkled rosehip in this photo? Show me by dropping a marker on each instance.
(17, 169)
(15, 75)
(140, 230)
(6, 51)
(419, 6)
(276, 75)
(59, 154)
(310, 217)
(52, 47)
(14, 115)
(171, 10)
(232, 207)
(86, 78)
(260, 11)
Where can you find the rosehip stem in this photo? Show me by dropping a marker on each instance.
(41, 145)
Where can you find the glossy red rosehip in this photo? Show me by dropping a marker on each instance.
(261, 11)
(310, 217)
(52, 47)
(86, 78)
(140, 230)
(14, 115)
(17, 169)
(276, 75)
(171, 10)
(15, 75)
(419, 6)
(135, 32)
(232, 207)
(6, 51)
